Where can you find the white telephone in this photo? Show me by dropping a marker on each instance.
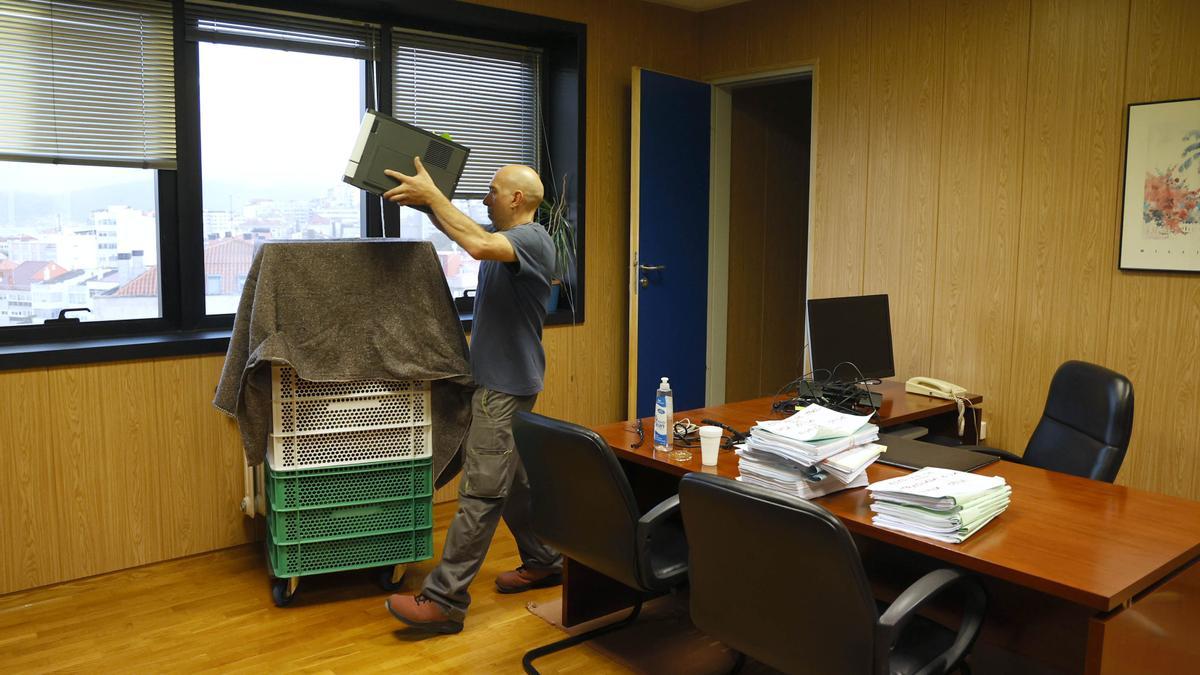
(929, 386)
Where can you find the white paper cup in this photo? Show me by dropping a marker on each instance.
(710, 443)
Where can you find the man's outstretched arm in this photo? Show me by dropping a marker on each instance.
(419, 190)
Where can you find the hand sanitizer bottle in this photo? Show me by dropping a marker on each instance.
(664, 417)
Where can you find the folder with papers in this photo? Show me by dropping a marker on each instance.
(941, 504)
(812, 453)
(790, 482)
(851, 463)
(815, 423)
(809, 453)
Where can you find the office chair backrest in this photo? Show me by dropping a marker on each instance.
(1087, 422)
(776, 577)
(582, 502)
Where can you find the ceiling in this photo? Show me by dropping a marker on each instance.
(697, 5)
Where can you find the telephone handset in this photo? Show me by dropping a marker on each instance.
(929, 386)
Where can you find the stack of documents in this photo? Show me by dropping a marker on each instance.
(812, 453)
(941, 504)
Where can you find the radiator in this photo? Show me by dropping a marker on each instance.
(254, 500)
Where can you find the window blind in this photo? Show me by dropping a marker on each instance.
(486, 96)
(277, 30)
(87, 82)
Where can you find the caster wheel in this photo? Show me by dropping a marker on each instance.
(391, 578)
(283, 591)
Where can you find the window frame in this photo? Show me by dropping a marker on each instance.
(195, 174)
(184, 327)
(387, 105)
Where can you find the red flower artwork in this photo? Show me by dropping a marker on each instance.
(1169, 204)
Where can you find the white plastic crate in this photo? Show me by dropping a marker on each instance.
(286, 384)
(352, 412)
(351, 447)
(333, 423)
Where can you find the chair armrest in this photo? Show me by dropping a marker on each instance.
(662, 546)
(655, 517)
(899, 613)
(994, 452)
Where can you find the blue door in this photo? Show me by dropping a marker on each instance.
(668, 320)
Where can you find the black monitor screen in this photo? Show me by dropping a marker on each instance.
(854, 330)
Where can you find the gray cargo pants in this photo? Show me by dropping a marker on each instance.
(493, 484)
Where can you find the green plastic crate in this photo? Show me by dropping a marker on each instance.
(349, 485)
(342, 522)
(293, 560)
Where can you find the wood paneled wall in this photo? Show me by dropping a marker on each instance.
(114, 465)
(969, 158)
(108, 466)
(1153, 325)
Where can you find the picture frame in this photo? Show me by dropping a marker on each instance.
(1160, 221)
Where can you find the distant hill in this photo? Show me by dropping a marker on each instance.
(133, 195)
(21, 209)
(217, 193)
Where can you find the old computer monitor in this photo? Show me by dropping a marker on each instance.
(857, 330)
(384, 142)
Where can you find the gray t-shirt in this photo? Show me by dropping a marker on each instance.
(510, 308)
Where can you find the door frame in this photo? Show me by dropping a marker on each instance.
(718, 221)
(635, 193)
(718, 213)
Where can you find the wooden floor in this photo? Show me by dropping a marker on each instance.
(213, 612)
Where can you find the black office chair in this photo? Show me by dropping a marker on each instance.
(584, 507)
(1085, 427)
(778, 578)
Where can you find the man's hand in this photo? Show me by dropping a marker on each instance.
(417, 190)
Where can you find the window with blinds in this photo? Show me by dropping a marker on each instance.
(312, 74)
(104, 212)
(486, 96)
(277, 30)
(87, 82)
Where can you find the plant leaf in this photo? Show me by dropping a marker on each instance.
(554, 213)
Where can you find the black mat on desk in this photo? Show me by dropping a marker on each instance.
(910, 454)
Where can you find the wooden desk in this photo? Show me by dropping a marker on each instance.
(1083, 576)
(899, 407)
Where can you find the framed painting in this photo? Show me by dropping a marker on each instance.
(1160, 224)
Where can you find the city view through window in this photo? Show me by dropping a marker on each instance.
(77, 236)
(276, 131)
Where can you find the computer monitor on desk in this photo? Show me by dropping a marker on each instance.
(855, 330)
(850, 340)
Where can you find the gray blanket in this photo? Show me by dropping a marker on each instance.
(348, 310)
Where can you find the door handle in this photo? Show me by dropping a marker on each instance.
(643, 281)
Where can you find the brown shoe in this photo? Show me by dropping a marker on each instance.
(523, 579)
(419, 611)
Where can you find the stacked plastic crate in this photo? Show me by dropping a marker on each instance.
(349, 478)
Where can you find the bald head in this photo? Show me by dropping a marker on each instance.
(520, 178)
(514, 197)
